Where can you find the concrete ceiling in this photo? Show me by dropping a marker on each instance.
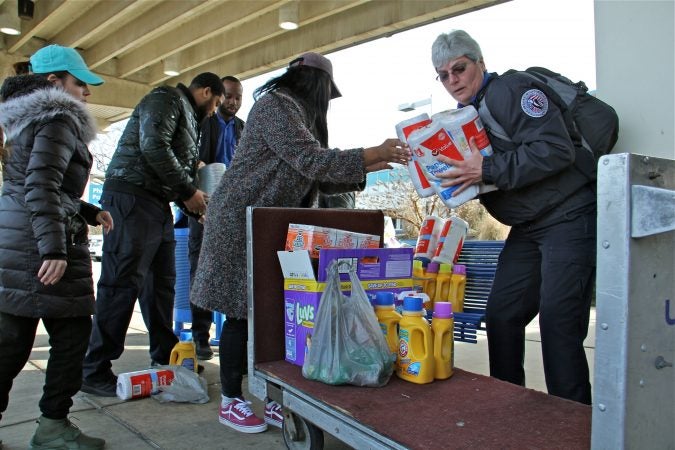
(128, 41)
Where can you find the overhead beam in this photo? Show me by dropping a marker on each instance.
(227, 16)
(48, 12)
(165, 16)
(361, 24)
(118, 93)
(97, 20)
(262, 28)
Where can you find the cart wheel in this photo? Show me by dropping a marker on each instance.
(300, 434)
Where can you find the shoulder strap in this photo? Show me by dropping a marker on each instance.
(485, 115)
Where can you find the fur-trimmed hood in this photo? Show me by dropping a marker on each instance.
(18, 112)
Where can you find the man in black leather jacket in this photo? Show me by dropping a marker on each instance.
(155, 163)
(546, 194)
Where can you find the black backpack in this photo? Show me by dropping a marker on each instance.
(592, 120)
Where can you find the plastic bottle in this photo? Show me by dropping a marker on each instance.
(457, 287)
(419, 278)
(184, 353)
(443, 325)
(451, 240)
(431, 276)
(415, 358)
(388, 318)
(443, 283)
(428, 238)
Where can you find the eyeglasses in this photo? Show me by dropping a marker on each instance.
(456, 71)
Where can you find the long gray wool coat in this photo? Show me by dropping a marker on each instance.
(278, 163)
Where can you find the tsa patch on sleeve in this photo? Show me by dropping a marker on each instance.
(534, 103)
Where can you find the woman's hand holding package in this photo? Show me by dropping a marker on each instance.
(52, 270)
(463, 173)
(106, 221)
(390, 151)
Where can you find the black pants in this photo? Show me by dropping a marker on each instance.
(142, 243)
(232, 352)
(550, 272)
(68, 342)
(201, 318)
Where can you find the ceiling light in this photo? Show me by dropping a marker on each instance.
(288, 16)
(9, 19)
(172, 65)
(26, 9)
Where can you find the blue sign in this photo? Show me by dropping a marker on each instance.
(95, 191)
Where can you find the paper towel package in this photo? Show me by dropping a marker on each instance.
(142, 383)
(403, 130)
(314, 238)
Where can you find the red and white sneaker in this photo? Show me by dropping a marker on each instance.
(238, 415)
(273, 414)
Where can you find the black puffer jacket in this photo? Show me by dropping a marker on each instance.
(540, 172)
(46, 166)
(157, 154)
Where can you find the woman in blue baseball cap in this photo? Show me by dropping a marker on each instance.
(45, 268)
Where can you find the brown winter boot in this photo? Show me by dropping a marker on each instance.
(61, 434)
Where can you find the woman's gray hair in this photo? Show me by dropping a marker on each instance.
(457, 43)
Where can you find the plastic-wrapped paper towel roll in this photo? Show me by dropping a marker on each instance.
(462, 125)
(142, 383)
(426, 144)
(208, 177)
(403, 130)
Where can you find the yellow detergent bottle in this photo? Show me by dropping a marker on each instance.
(415, 358)
(431, 285)
(388, 318)
(443, 281)
(442, 325)
(419, 278)
(457, 287)
(184, 353)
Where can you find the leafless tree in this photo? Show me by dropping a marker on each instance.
(398, 199)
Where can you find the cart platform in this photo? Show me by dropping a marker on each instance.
(466, 411)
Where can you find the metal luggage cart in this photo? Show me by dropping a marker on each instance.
(634, 377)
(467, 410)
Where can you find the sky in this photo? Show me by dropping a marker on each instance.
(378, 76)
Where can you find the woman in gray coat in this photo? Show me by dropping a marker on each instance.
(45, 268)
(282, 160)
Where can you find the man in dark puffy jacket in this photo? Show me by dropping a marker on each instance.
(155, 163)
(547, 266)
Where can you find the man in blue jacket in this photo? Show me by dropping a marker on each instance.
(219, 138)
(155, 163)
(546, 194)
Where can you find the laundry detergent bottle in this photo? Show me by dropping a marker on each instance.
(457, 287)
(388, 318)
(184, 353)
(415, 358)
(442, 326)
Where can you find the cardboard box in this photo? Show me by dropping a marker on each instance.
(381, 269)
